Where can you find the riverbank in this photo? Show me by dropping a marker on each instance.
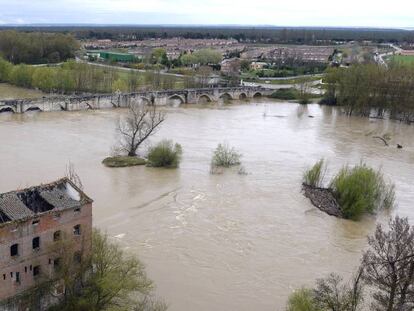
(8, 91)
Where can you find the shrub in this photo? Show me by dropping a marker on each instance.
(225, 156)
(314, 176)
(361, 189)
(165, 154)
(301, 300)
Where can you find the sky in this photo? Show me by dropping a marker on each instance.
(350, 13)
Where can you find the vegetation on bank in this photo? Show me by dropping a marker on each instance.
(165, 154)
(373, 90)
(73, 77)
(290, 68)
(385, 277)
(123, 161)
(302, 94)
(286, 94)
(354, 190)
(36, 48)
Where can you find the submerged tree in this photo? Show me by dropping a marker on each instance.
(138, 125)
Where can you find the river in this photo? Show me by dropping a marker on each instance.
(218, 242)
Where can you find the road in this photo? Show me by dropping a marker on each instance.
(380, 58)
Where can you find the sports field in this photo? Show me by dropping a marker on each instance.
(404, 59)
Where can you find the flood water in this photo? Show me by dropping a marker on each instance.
(218, 242)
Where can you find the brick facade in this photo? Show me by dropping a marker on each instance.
(26, 242)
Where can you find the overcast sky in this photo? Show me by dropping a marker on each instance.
(380, 13)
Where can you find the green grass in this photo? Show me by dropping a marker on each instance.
(123, 161)
(293, 80)
(314, 176)
(403, 59)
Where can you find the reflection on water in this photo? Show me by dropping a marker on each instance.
(218, 242)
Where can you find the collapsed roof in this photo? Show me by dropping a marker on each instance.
(27, 203)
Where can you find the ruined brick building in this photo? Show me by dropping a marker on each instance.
(31, 222)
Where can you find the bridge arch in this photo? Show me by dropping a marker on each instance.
(242, 96)
(33, 108)
(204, 98)
(175, 100)
(7, 109)
(257, 95)
(226, 96)
(145, 100)
(86, 106)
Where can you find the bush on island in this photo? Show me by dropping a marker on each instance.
(165, 154)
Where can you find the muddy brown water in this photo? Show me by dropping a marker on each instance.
(218, 242)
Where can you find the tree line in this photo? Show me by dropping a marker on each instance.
(36, 48)
(294, 35)
(72, 77)
(373, 91)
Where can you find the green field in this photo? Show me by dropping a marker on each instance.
(403, 59)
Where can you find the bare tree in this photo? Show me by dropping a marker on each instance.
(140, 123)
(333, 294)
(389, 266)
(204, 73)
(73, 176)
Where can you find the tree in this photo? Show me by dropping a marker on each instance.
(115, 276)
(140, 123)
(244, 65)
(389, 266)
(304, 92)
(159, 56)
(333, 295)
(5, 68)
(204, 73)
(208, 56)
(104, 279)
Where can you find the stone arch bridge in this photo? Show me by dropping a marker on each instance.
(104, 101)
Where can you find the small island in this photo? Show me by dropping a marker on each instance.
(352, 192)
(123, 161)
